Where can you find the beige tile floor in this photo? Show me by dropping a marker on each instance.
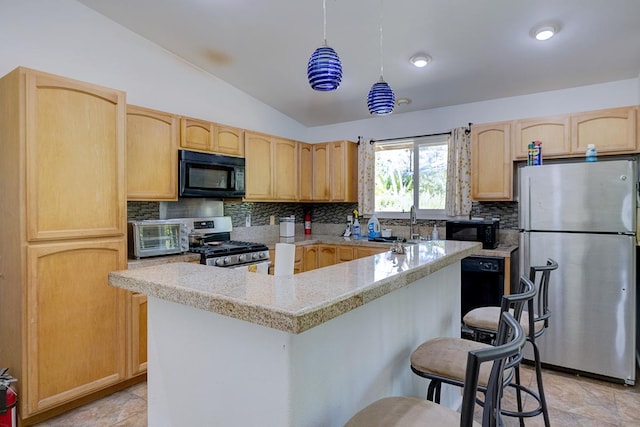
(573, 401)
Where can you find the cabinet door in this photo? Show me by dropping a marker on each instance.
(553, 132)
(364, 251)
(197, 134)
(75, 321)
(491, 164)
(326, 255)
(321, 173)
(344, 253)
(611, 131)
(343, 167)
(285, 159)
(75, 155)
(259, 167)
(305, 171)
(298, 264)
(138, 334)
(310, 257)
(152, 154)
(229, 141)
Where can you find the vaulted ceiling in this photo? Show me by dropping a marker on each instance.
(481, 49)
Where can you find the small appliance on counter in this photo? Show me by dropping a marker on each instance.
(288, 226)
(157, 237)
(485, 231)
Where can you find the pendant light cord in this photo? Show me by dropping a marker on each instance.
(324, 21)
(381, 50)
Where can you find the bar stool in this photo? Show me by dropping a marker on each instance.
(441, 360)
(484, 320)
(411, 411)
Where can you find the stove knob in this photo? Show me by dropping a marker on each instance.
(219, 261)
(226, 260)
(254, 256)
(242, 257)
(263, 255)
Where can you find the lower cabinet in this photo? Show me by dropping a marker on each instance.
(137, 354)
(326, 255)
(75, 322)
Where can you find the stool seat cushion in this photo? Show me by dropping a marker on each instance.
(405, 412)
(487, 318)
(447, 357)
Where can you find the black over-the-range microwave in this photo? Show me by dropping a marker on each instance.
(210, 175)
(485, 231)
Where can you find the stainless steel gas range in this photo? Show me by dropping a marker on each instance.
(211, 238)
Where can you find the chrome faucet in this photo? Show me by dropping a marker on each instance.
(412, 221)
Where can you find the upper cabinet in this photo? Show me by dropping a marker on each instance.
(491, 164)
(335, 171)
(75, 158)
(305, 171)
(611, 131)
(152, 154)
(201, 135)
(553, 131)
(271, 168)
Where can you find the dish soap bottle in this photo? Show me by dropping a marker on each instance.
(374, 227)
(434, 233)
(356, 224)
(592, 153)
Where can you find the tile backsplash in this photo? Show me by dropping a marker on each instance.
(324, 213)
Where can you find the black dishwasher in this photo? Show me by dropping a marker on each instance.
(482, 281)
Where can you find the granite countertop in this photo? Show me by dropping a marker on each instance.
(133, 263)
(295, 303)
(328, 239)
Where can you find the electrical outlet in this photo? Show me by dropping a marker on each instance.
(272, 220)
(247, 220)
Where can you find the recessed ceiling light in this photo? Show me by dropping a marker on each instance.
(544, 32)
(420, 60)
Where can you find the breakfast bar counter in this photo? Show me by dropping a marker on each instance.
(231, 347)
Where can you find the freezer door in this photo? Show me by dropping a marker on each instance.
(592, 301)
(592, 197)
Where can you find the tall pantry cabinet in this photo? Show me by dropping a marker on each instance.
(63, 209)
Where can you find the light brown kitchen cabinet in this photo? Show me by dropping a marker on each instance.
(197, 134)
(321, 172)
(229, 141)
(259, 166)
(285, 167)
(309, 257)
(343, 169)
(326, 255)
(63, 210)
(305, 171)
(491, 163)
(152, 155)
(271, 168)
(75, 321)
(612, 131)
(201, 135)
(137, 360)
(553, 132)
(344, 253)
(298, 264)
(364, 251)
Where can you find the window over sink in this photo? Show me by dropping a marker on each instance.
(411, 172)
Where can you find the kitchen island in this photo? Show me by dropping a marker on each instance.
(230, 347)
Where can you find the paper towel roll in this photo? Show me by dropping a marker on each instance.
(285, 258)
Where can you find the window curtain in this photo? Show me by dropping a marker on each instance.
(366, 176)
(458, 199)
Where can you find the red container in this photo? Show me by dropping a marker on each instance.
(307, 223)
(8, 400)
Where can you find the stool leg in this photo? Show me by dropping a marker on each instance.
(543, 400)
(519, 394)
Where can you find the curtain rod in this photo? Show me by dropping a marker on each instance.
(372, 141)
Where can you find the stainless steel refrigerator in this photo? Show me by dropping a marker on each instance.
(583, 215)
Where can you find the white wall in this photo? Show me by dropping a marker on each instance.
(64, 37)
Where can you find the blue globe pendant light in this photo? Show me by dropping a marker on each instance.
(381, 99)
(324, 69)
